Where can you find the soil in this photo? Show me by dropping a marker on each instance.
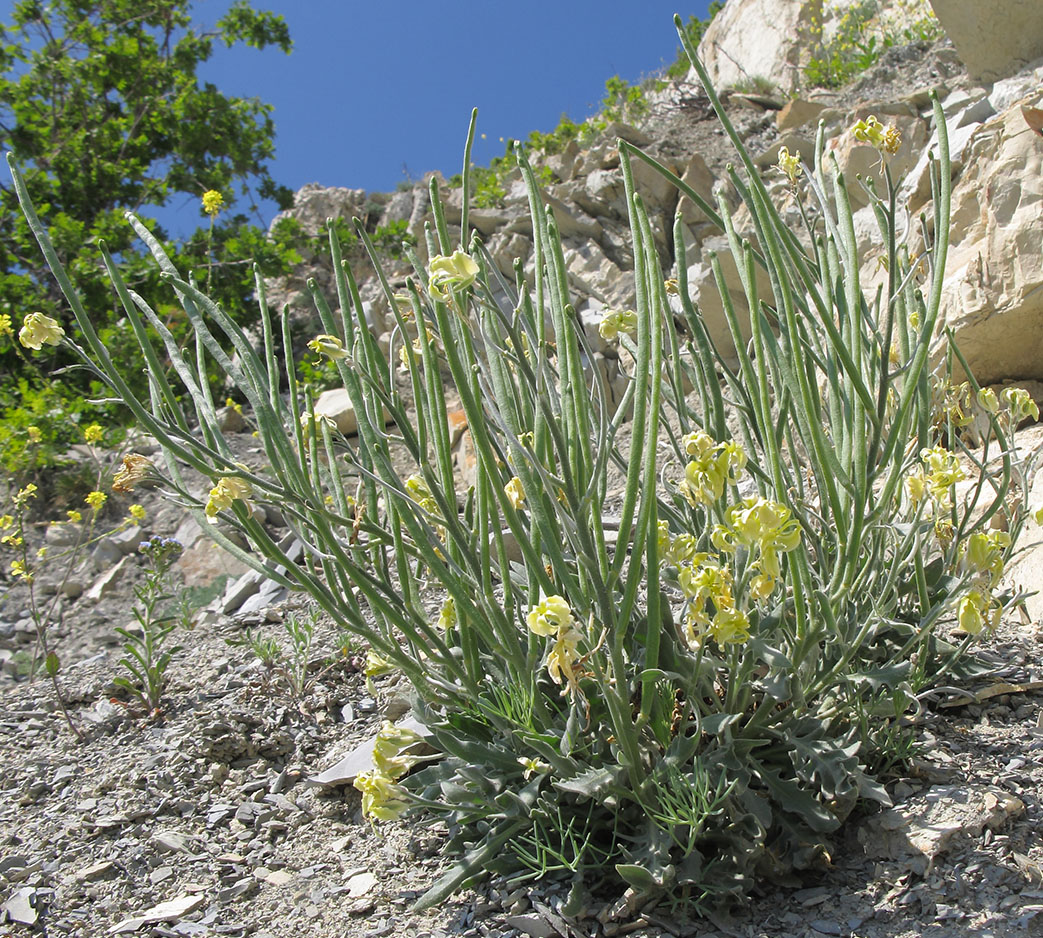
(209, 802)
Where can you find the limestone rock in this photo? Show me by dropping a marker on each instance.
(993, 293)
(987, 51)
(757, 38)
(797, 112)
(927, 825)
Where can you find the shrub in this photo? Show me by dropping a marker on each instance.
(687, 694)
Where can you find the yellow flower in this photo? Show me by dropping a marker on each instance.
(319, 419)
(19, 569)
(987, 401)
(137, 512)
(515, 493)
(328, 345)
(1037, 514)
(766, 525)
(376, 665)
(6, 325)
(381, 797)
(884, 139)
(532, 766)
(222, 495)
(449, 273)
(562, 657)
(23, 495)
(916, 486)
(943, 471)
(11, 540)
(1020, 403)
(714, 466)
(135, 469)
(39, 330)
(978, 610)
(447, 615)
(213, 202)
(672, 287)
(549, 617)
(96, 500)
(730, 626)
(789, 165)
(616, 321)
(34, 434)
(983, 554)
(74, 516)
(93, 433)
(387, 750)
(892, 140)
(41, 553)
(762, 586)
(7, 521)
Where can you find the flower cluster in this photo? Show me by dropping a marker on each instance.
(887, 140)
(515, 493)
(764, 527)
(213, 202)
(449, 273)
(161, 551)
(222, 495)
(552, 617)
(617, 321)
(711, 609)
(382, 799)
(713, 465)
(940, 471)
(981, 557)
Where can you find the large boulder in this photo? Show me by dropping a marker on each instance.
(993, 39)
(993, 292)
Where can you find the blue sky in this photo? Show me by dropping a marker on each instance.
(377, 91)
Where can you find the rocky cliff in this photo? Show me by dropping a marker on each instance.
(994, 282)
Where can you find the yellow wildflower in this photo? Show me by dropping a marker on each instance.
(562, 657)
(789, 165)
(39, 330)
(449, 273)
(381, 797)
(532, 766)
(19, 570)
(6, 325)
(515, 493)
(1037, 514)
(93, 433)
(41, 552)
(222, 495)
(672, 287)
(22, 496)
(390, 743)
(376, 665)
(616, 321)
(447, 615)
(213, 202)
(730, 626)
(34, 434)
(328, 345)
(74, 516)
(135, 469)
(983, 554)
(916, 486)
(978, 610)
(137, 512)
(714, 466)
(11, 540)
(766, 525)
(943, 471)
(550, 616)
(96, 500)
(1020, 403)
(7, 521)
(884, 139)
(987, 401)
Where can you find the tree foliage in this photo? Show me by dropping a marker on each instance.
(101, 102)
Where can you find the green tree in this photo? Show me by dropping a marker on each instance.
(101, 104)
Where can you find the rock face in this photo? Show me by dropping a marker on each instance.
(993, 295)
(758, 38)
(987, 51)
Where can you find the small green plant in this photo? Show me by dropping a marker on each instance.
(756, 84)
(291, 663)
(147, 653)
